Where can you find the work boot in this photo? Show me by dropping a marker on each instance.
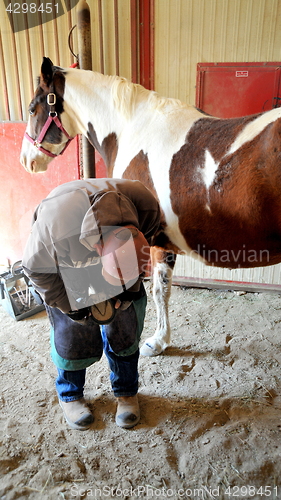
(128, 412)
(77, 414)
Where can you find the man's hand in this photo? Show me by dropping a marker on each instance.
(117, 303)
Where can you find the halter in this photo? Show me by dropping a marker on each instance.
(53, 117)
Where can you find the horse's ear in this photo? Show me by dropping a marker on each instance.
(46, 72)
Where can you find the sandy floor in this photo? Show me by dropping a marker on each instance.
(210, 410)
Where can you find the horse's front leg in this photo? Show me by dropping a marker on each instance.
(163, 264)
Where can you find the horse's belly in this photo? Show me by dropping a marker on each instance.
(231, 243)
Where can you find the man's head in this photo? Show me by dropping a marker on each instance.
(124, 255)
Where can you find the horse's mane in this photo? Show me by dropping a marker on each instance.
(127, 96)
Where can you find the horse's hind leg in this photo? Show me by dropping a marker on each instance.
(163, 264)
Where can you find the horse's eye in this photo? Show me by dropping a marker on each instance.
(31, 112)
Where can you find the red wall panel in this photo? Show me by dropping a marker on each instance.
(20, 192)
(101, 171)
(227, 90)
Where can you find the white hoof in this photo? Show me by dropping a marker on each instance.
(150, 349)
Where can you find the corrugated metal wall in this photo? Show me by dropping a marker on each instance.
(192, 31)
(21, 52)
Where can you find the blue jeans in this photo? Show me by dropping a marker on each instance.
(123, 375)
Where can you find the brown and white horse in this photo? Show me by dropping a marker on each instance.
(218, 181)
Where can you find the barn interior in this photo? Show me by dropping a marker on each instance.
(210, 403)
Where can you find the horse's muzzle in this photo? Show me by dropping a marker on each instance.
(32, 166)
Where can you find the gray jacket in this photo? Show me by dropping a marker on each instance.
(67, 224)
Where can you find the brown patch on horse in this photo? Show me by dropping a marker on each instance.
(138, 168)
(52, 79)
(216, 135)
(39, 108)
(236, 222)
(158, 255)
(161, 240)
(108, 148)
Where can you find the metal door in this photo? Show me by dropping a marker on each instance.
(227, 90)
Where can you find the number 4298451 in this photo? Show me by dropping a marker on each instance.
(32, 8)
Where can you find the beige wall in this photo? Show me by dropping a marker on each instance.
(21, 53)
(186, 32)
(191, 31)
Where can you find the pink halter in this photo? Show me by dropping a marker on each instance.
(53, 117)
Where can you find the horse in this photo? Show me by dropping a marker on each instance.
(218, 181)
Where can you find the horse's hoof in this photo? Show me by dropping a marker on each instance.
(148, 350)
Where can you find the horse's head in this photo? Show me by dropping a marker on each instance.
(45, 136)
